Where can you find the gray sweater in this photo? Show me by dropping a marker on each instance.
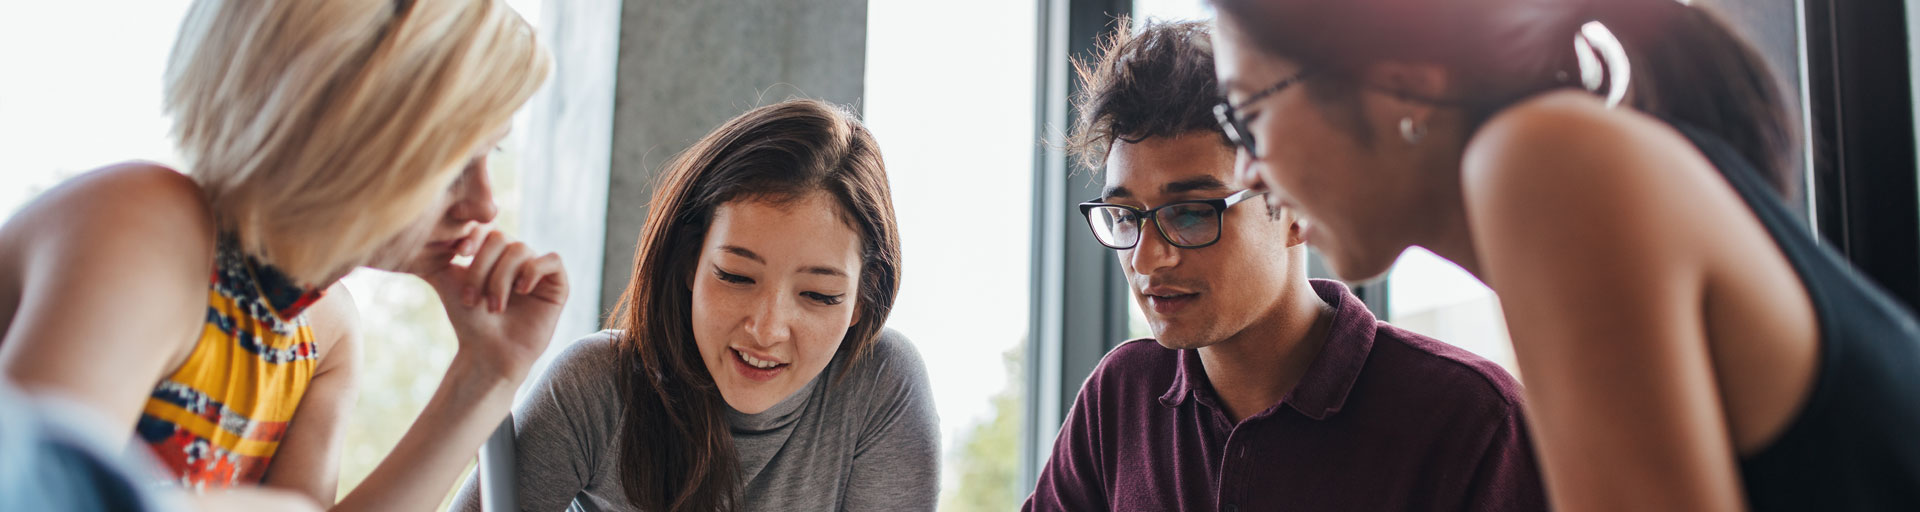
(869, 441)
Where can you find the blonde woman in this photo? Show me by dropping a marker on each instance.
(201, 312)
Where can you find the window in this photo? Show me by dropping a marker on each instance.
(1172, 10)
(1430, 295)
(948, 101)
(95, 98)
(1913, 53)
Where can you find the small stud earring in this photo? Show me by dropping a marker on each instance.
(1412, 130)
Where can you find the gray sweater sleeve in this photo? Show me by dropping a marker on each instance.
(562, 428)
(896, 464)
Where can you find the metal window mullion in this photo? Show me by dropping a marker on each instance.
(1079, 296)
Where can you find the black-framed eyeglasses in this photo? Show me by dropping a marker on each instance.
(1185, 224)
(1235, 127)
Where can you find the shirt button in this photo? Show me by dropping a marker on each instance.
(1230, 508)
(1243, 452)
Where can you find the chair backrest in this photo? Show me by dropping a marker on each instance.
(497, 491)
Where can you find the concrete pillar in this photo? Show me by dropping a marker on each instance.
(685, 66)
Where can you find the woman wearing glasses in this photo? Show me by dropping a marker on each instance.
(1686, 343)
(748, 369)
(202, 313)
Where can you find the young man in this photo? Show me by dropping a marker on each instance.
(1262, 389)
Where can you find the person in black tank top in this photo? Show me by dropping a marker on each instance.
(1670, 363)
(1856, 443)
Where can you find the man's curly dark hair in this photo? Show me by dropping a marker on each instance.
(1158, 82)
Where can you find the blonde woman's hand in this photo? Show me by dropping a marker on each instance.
(503, 304)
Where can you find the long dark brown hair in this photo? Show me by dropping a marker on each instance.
(677, 451)
(1686, 64)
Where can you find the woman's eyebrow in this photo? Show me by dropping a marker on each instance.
(823, 270)
(742, 252)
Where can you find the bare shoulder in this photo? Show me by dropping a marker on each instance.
(144, 209)
(1566, 152)
(1561, 135)
(1561, 177)
(335, 320)
(135, 232)
(135, 240)
(136, 226)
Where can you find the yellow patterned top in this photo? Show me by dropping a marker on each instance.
(218, 420)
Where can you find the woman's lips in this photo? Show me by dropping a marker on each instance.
(755, 373)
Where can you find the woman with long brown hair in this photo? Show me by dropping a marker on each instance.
(1686, 343)
(748, 368)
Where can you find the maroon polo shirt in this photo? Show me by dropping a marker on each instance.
(1384, 419)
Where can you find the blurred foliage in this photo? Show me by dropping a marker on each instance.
(988, 458)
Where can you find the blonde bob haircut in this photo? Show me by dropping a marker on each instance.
(319, 130)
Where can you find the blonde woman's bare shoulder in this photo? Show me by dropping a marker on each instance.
(133, 239)
(335, 320)
(133, 220)
(129, 202)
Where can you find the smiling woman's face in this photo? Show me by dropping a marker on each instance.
(773, 296)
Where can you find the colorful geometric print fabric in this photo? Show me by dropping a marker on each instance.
(217, 421)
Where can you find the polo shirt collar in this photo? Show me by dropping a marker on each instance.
(1329, 379)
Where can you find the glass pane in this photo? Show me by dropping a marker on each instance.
(1773, 28)
(1913, 66)
(1172, 10)
(952, 138)
(1430, 295)
(82, 90)
(1136, 319)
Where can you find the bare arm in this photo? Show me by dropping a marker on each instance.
(114, 268)
(308, 460)
(1596, 257)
